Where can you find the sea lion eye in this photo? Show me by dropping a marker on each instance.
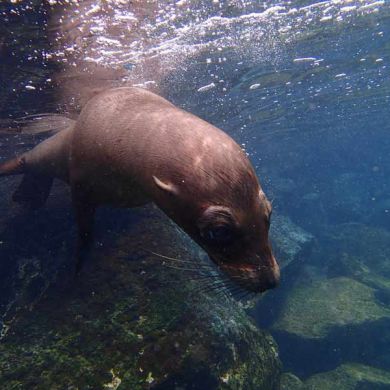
(218, 234)
(217, 226)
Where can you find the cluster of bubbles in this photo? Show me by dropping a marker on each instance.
(283, 55)
(120, 33)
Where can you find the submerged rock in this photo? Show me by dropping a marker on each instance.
(334, 306)
(324, 323)
(360, 251)
(312, 310)
(291, 244)
(288, 239)
(290, 382)
(350, 377)
(129, 322)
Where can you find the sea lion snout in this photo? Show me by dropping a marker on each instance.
(252, 275)
(271, 277)
(271, 273)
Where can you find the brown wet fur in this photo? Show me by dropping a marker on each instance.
(130, 147)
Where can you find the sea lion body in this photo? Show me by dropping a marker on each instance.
(130, 147)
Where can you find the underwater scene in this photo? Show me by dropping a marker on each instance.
(304, 88)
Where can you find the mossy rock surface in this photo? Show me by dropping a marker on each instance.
(312, 310)
(350, 377)
(289, 381)
(129, 322)
(335, 304)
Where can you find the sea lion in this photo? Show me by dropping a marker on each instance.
(129, 147)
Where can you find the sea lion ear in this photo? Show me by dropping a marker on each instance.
(168, 187)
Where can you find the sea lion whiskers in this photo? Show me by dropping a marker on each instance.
(203, 283)
(238, 292)
(204, 280)
(178, 260)
(227, 289)
(222, 281)
(225, 286)
(179, 268)
(199, 267)
(220, 287)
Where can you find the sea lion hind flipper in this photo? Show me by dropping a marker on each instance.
(13, 166)
(33, 190)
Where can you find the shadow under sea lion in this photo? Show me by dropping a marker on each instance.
(130, 147)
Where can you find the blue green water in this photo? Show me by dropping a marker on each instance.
(304, 87)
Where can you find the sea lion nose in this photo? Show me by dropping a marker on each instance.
(272, 277)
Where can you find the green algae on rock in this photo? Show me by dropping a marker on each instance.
(350, 377)
(317, 322)
(129, 322)
(289, 381)
(312, 310)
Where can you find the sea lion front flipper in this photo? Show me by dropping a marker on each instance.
(85, 215)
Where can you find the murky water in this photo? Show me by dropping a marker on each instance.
(303, 86)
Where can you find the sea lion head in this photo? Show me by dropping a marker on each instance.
(237, 241)
(229, 217)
